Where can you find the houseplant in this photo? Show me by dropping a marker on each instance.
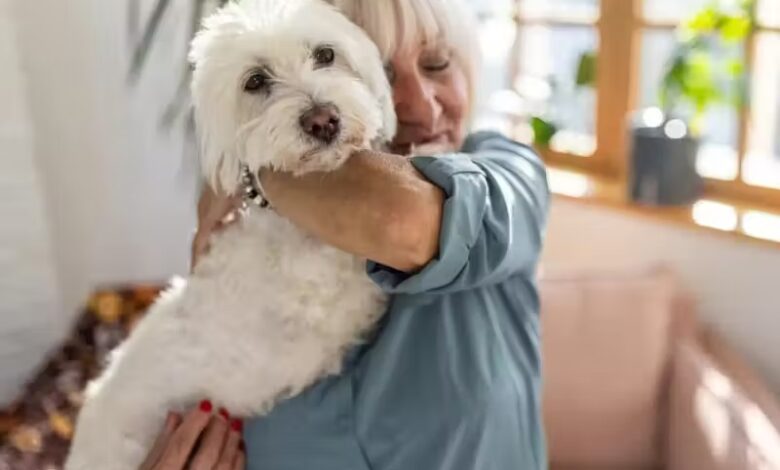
(178, 107)
(707, 68)
(545, 126)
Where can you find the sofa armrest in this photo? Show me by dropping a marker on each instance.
(721, 416)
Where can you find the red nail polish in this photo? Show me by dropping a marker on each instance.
(205, 406)
(236, 425)
(242, 446)
(223, 412)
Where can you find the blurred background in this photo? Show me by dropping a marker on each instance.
(98, 187)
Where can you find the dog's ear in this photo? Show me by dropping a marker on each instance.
(376, 78)
(367, 63)
(213, 99)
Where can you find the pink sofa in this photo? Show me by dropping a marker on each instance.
(633, 382)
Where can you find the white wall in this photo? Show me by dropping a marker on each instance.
(96, 193)
(28, 279)
(736, 283)
(123, 199)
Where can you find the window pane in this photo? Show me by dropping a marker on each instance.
(762, 163)
(549, 68)
(491, 7)
(769, 12)
(718, 156)
(496, 103)
(586, 9)
(673, 10)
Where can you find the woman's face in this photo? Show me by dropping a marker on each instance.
(430, 94)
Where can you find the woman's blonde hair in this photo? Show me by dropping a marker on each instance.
(395, 25)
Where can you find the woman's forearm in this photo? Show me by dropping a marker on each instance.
(376, 205)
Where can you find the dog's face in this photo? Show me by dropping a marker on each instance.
(292, 85)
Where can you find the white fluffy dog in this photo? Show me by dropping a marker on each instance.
(291, 85)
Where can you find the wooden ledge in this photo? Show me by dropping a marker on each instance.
(738, 220)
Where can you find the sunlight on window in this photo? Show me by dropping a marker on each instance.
(568, 183)
(769, 12)
(762, 163)
(671, 10)
(575, 143)
(761, 225)
(506, 102)
(717, 161)
(580, 9)
(715, 215)
(496, 36)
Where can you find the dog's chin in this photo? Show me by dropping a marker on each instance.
(323, 158)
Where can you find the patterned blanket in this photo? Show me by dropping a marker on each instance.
(35, 432)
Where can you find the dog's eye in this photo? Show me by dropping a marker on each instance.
(255, 82)
(324, 55)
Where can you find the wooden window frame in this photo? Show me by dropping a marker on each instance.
(620, 26)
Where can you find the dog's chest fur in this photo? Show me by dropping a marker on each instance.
(279, 296)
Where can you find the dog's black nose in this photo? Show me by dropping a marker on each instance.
(321, 122)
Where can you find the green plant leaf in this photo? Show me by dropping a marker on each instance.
(735, 68)
(735, 28)
(673, 82)
(704, 21)
(586, 69)
(704, 70)
(543, 130)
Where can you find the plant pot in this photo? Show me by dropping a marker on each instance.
(663, 168)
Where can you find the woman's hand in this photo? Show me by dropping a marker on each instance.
(215, 212)
(198, 441)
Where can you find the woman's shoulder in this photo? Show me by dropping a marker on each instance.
(482, 139)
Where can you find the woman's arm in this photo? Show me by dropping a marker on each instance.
(493, 218)
(376, 205)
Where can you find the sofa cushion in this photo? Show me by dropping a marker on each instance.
(722, 417)
(605, 348)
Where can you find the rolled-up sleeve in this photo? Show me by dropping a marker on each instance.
(493, 220)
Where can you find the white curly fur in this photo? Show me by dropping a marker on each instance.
(269, 310)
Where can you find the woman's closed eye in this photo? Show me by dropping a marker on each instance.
(436, 65)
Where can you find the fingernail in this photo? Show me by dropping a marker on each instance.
(223, 412)
(236, 425)
(242, 446)
(205, 406)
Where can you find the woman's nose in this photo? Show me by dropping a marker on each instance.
(415, 101)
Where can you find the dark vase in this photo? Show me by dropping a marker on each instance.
(663, 166)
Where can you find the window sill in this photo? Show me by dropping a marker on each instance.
(737, 220)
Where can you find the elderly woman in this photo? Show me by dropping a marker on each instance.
(451, 379)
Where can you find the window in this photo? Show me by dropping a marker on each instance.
(568, 74)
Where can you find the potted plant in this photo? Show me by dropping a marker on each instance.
(145, 32)
(544, 126)
(707, 68)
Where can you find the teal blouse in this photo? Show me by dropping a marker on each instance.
(450, 380)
